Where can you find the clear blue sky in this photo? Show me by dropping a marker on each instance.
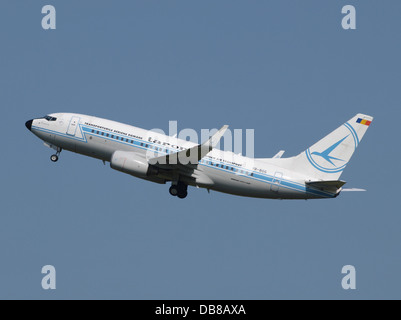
(284, 68)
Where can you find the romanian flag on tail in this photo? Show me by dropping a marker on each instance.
(365, 122)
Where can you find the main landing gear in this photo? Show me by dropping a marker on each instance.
(179, 190)
(54, 157)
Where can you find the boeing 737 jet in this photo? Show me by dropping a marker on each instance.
(313, 174)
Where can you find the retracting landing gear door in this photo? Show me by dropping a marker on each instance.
(72, 128)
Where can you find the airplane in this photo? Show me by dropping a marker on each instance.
(313, 174)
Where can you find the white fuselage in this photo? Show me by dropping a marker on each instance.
(219, 170)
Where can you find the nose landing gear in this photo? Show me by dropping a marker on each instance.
(54, 157)
(179, 190)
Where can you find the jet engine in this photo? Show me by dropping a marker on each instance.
(133, 164)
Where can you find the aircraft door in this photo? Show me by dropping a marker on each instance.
(275, 187)
(72, 128)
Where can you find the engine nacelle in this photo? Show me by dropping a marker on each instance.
(133, 164)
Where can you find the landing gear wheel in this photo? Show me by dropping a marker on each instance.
(54, 157)
(173, 191)
(179, 190)
(183, 195)
(182, 190)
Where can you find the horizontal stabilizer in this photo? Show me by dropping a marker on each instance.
(326, 185)
(353, 190)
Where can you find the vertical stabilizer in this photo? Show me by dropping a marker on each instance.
(327, 159)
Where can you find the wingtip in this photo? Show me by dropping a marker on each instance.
(224, 128)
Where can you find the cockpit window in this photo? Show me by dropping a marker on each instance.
(49, 118)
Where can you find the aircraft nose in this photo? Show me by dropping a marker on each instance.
(28, 124)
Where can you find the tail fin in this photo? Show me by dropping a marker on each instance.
(327, 159)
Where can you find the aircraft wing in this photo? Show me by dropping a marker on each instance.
(187, 159)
